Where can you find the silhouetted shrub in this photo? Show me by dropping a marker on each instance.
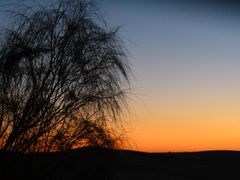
(62, 79)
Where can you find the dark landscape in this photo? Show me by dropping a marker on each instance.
(99, 163)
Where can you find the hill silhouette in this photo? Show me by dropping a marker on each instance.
(99, 163)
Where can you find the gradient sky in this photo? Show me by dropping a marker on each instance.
(186, 61)
(185, 57)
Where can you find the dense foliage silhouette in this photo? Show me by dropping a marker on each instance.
(63, 79)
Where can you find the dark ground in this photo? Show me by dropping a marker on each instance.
(96, 163)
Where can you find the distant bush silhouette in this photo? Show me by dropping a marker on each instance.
(62, 79)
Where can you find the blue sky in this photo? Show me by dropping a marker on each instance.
(173, 43)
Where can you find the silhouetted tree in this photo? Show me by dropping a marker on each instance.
(62, 79)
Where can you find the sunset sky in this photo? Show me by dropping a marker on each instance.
(185, 57)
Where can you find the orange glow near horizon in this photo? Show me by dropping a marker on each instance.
(190, 125)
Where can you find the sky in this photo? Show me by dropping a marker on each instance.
(185, 57)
